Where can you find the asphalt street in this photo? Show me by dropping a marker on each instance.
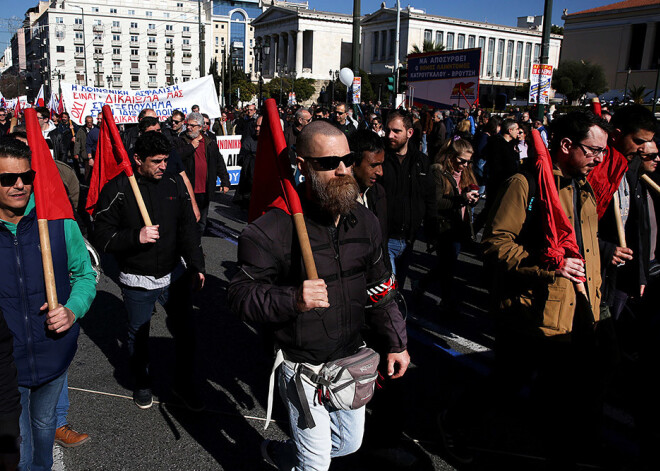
(451, 354)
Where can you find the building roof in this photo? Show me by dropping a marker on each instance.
(618, 6)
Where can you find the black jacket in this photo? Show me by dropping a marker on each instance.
(118, 223)
(215, 163)
(410, 194)
(10, 399)
(377, 203)
(349, 258)
(502, 162)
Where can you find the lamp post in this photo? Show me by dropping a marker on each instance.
(293, 80)
(333, 77)
(261, 49)
(625, 91)
(515, 85)
(279, 74)
(82, 12)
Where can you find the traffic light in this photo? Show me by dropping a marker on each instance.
(403, 79)
(390, 83)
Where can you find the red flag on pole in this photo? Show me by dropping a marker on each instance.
(110, 160)
(41, 99)
(272, 186)
(50, 196)
(559, 235)
(606, 177)
(17, 109)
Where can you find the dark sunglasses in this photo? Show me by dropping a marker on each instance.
(648, 157)
(177, 121)
(332, 162)
(463, 161)
(9, 179)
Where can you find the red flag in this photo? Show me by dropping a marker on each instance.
(110, 160)
(606, 177)
(559, 235)
(17, 109)
(60, 105)
(40, 100)
(50, 195)
(272, 186)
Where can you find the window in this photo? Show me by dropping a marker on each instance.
(509, 59)
(152, 66)
(59, 34)
(152, 26)
(79, 49)
(134, 39)
(185, 79)
(113, 10)
(98, 23)
(186, 29)
(116, 37)
(78, 21)
(482, 45)
(135, 52)
(491, 56)
(427, 35)
(152, 53)
(116, 65)
(217, 41)
(528, 60)
(438, 37)
(471, 39)
(135, 78)
(166, 15)
(519, 51)
(450, 41)
(152, 40)
(150, 13)
(537, 53)
(500, 57)
(179, 5)
(79, 63)
(169, 41)
(131, 12)
(95, 9)
(169, 28)
(116, 50)
(134, 25)
(115, 24)
(98, 50)
(461, 42)
(152, 79)
(98, 36)
(60, 62)
(60, 48)
(186, 42)
(79, 35)
(59, 20)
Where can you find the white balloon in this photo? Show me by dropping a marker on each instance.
(346, 76)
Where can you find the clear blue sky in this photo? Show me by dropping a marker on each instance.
(502, 12)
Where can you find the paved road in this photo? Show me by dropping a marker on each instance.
(451, 354)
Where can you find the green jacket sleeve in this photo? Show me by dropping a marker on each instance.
(83, 281)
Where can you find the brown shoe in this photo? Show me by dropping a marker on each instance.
(67, 437)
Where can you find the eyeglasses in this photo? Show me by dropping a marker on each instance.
(649, 157)
(593, 151)
(9, 179)
(463, 161)
(177, 121)
(42, 118)
(194, 125)
(332, 162)
(208, 123)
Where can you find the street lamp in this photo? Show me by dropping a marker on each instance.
(261, 49)
(293, 81)
(515, 84)
(334, 74)
(625, 91)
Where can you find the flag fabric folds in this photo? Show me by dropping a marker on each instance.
(606, 177)
(41, 99)
(110, 160)
(560, 242)
(50, 196)
(272, 186)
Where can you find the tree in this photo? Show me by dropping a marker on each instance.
(367, 88)
(638, 93)
(555, 29)
(576, 78)
(428, 46)
(213, 70)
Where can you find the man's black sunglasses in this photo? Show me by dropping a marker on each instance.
(9, 179)
(332, 162)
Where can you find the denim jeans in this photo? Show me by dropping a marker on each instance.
(177, 301)
(424, 145)
(400, 252)
(62, 408)
(37, 424)
(337, 432)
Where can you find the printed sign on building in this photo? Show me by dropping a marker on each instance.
(357, 90)
(541, 74)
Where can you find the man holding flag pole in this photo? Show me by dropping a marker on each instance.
(47, 284)
(314, 317)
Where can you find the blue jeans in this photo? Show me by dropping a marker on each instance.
(37, 424)
(337, 432)
(177, 301)
(424, 146)
(62, 408)
(400, 252)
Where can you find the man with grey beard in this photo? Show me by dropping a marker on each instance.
(317, 321)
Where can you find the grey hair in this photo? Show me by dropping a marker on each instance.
(197, 117)
(299, 113)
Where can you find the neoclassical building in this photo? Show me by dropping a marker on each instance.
(309, 42)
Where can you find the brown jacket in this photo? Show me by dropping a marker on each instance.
(533, 298)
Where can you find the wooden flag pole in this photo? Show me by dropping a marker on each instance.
(47, 262)
(651, 183)
(619, 223)
(305, 246)
(140, 201)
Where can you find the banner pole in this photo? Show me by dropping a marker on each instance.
(47, 262)
(140, 200)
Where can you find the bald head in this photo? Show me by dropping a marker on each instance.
(306, 138)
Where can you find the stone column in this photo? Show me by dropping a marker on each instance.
(272, 55)
(281, 50)
(291, 57)
(299, 53)
(649, 45)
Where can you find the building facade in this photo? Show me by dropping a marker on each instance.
(622, 37)
(507, 52)
(306, 42)
(113, 43)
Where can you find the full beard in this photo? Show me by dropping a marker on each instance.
(337, 197)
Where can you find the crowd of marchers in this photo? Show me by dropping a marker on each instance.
(372, 181)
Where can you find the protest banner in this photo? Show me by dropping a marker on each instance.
(229, 147)
(357, 90)
(82, 100)
(440, 77)
(541, 74)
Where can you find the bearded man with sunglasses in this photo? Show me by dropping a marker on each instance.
(315, 321)
(44, 341)
(545, 331)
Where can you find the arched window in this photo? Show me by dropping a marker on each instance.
(238, 37)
